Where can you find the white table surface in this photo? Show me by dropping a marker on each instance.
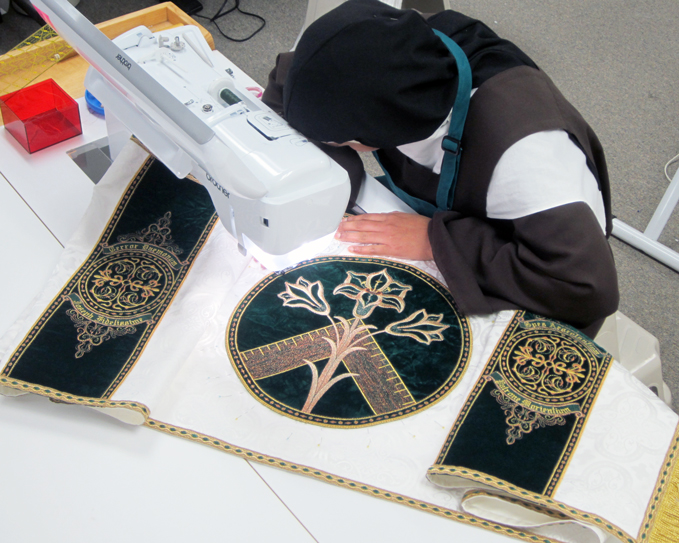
(73, 474)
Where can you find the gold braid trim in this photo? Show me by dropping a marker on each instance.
(346, 483)
(64, 397)
(538, 500)
(662, 515)
(556, 515)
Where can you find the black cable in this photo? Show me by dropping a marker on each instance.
(26, 9)
(236, 7)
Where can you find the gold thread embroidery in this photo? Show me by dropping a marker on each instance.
(91, 334)
(533, 497)
(375, 378)
(164, 257)
(373, 290)
(64, 397)
(521, 420)
(548, 366)
(662, 513)
(58, 299)
(123, 286)
(419, 326)
(583, 358)
(157, 234)
(369, 291)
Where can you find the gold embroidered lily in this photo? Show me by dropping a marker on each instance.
(345, 344)
(369, 291)
(419, 326)
(307, 295)
(373, 290)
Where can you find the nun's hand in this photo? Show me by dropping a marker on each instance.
(401, 235)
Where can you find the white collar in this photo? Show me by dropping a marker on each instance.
(428, 152)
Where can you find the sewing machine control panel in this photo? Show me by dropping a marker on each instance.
(206, 82)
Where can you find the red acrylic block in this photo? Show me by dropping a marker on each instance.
(40, 115)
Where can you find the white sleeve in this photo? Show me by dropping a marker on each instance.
(540, 172)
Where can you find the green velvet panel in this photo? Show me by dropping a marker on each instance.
(91, 335)
(524, 417)
(277, 332)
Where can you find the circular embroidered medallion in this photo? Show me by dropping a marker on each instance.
(344, 341)
(124, 286)
(548, 367)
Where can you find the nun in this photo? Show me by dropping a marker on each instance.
(508, 180)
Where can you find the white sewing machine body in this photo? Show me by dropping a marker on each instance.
(274, 191)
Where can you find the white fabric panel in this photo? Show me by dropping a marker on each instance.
(614, 468)
(186, 379)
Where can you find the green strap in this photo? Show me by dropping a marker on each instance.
(451, 142)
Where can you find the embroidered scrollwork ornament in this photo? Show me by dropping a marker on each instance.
(91, 334)
(124, 284)
(98, 326)
(521, 420)
(157, 233)
(528, 407)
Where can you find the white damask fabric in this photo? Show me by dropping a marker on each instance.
(187, 382)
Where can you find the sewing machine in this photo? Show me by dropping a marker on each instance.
(279, 195)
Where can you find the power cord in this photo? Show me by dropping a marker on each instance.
(236, 7)
(669, 163)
